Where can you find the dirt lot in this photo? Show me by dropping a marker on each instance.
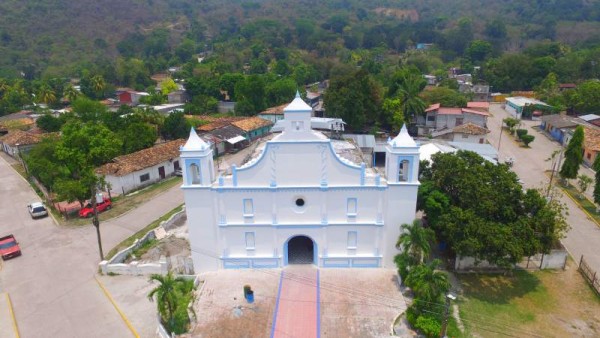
(354, 303)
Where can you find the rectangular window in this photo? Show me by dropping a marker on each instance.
(352, 239)
(431, 118)
(403, 172)
(144, 178)
(351, 207)
(465, 135)
(589, 156)
(248, 207)
(298, 125)
(249, 241)
(459, 121)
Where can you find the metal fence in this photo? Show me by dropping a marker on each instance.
(590, 275)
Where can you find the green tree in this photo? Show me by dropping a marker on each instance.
(415, 240)
(573, 155)
(46, 94)
(392, 111)
(138, 136)
(407, 84)
(596, 168)
(584, 183)
(280, 91)
(175, 127)
(71, 93)
(49, 123)
(251, 95)
(587, 97)
(168, 86)
(355, 97)
(171, 296)
(427, 282)
(479, 50)
(446, 97)
(98, 83)
(527, 139)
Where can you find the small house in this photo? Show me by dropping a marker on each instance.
(558, 126)
(591, 145)
(273, 114)
(468, 132)
(253, 127)
(440, 118)
(515, 105)
(136, 170)
(178, 96)
(17, 142)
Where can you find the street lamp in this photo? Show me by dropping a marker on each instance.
(449, 297)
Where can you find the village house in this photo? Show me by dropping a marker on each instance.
(178, 96)
(129, 96)
(18, 142)
(559, 126)
(298, 201)
(515, 106)
(439, 118)
(136, 170)
(273, 114)
(253, 127)
(591, 145)
(468, 132)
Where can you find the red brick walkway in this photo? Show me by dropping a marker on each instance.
(297, 310)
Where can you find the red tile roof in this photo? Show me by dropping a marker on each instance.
(472, 111)
(432, 107)
(471, 129)
(484, 105)
(20, 137)
(126, 164)
(449, 111)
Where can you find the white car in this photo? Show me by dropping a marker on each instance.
(37, 209)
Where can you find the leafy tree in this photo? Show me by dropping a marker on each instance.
(587, 97)
(495, 29)
(88, 110)
(228, 82)
(392, 111)
(415, 240)
(573, 155)
(43, 163)
(511, 123)
(280, 91)
(481, 211)
(354, 97)
(138, 136)
(46, 94)
(175, 127)
(584, 183)
(527, 139)
(49, 123)
(98, 83)
(168, 86)
(250, 94)
(445, 97)
(596, 168)
(479, 50)
(521, 133)
(71, 93)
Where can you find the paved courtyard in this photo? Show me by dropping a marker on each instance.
(353, 303)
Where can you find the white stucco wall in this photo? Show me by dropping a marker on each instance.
(131, 181)
(459, 137)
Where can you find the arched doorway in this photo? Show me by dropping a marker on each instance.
(300, 250)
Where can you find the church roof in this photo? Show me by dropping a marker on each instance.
(297, 105)
(194, 142)
(403, 139)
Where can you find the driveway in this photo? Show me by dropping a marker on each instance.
(530, 165)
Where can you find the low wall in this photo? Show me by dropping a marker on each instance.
(556, 259)
(116, 265)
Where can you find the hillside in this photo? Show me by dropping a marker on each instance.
(59, 37)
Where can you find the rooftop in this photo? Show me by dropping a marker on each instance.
(126, 164)
(481, 105)
(591, 139)
(471, 129)
(278, 110)
(19, 137)
(522, 101)
(251, 123)
(562, 121)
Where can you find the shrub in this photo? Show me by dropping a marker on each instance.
(521, 133)
(428, 326)
(527, 139)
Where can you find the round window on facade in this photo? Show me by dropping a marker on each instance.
(300, 202)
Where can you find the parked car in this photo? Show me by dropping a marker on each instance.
(37, 209)
(88, 210)
(9, 247)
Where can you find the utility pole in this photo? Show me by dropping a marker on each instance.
(446, 315)
(500, 139)
(96, 222)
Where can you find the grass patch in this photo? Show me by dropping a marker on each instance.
(584, 203)
(529, 304)
(129, 241)
(142, 249)
(122, 204)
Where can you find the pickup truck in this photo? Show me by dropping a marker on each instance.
(88, 210)
(9, 247)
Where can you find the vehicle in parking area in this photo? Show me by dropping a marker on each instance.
(37, 209)
(88, 209)
(9, 247)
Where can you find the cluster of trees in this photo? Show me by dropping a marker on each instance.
(480, 210)
(421, 274)
(91, 136)
(173, 296)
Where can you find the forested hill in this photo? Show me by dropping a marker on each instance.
(60, 37)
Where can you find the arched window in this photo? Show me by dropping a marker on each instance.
(195, 173)
(403, 171)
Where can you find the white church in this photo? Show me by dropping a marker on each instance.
(298, 202)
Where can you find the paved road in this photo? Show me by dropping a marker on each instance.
(584, 236)
(52, 286)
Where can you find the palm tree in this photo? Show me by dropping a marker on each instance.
(98, 83)
(427, 282)
(412, 104)
(46, 94)
(167, 293)
(415, 240)
(70, 93)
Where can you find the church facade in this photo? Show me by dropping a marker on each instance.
(298, 202)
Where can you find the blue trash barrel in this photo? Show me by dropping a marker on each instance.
(250, 296)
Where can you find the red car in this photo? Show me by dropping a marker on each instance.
(88, 210)
(9, 247)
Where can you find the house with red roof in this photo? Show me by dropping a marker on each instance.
(438, 118)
